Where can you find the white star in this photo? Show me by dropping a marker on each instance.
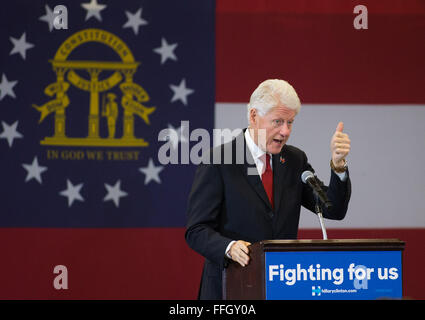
(34, 170)
(181, 92)
(20, 46)
(10, 133)
(6, 87)
(134, 20)
(114, 193)
(166, 51)
(93, 9)
(151, 172)
(72, 192)
(48, 17)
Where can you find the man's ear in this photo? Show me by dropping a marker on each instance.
(253, 117)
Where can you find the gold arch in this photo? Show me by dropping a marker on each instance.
(94, 35)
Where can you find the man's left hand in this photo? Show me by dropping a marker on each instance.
(340, 146)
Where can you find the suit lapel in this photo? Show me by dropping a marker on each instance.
(256, 183)
(249, 171)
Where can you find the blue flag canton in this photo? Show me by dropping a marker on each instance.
(85, 89)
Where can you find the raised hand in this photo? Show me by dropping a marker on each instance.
(340, 146)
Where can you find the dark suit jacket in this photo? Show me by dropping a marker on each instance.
(227, 204)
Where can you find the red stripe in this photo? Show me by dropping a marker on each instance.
(316, 48)
(321, 6)
(101, 263)
(139, 263)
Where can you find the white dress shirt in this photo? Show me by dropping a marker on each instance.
(257, 153)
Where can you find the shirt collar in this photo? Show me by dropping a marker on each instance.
(256, 151)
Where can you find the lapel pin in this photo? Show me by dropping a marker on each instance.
(282, 160)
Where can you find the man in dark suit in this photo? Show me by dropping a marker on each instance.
(250, 189)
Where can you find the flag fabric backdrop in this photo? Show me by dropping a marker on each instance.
(73, 195)
(81, 111)
(371, 79)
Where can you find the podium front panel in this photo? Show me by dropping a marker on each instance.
(340, 269)
(333, 275)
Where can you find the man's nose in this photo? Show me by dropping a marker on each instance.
(285, 130)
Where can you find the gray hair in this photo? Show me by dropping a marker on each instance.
(271, 93)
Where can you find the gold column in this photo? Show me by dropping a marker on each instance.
(128, 119)
(94, 103)
(60, 113)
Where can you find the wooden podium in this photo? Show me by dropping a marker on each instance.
(318, 269)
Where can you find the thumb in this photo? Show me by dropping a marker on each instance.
(340, 127)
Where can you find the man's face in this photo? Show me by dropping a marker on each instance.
(272, 130)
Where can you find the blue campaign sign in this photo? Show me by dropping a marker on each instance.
(333, 275)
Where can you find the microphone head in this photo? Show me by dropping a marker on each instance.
(306, 175)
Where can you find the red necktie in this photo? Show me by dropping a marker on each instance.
(267, 178)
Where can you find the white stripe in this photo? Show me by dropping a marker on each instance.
(386, 160)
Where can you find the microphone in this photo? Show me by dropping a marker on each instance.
(309, 178)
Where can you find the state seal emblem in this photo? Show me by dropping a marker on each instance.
(101, 101)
